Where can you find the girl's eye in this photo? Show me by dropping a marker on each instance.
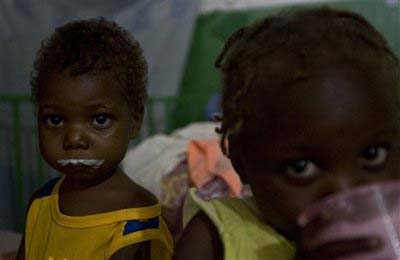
(301, 169)
(374, 156)
(101, 120)
(54, 120)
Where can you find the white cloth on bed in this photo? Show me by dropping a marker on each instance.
(158, 155)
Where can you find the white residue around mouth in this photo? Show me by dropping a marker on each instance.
(88, 162)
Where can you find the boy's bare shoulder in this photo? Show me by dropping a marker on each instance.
(140, 196)
(132, 195)
(200, 240)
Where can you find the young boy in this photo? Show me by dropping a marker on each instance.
(310, 108)
(89, 84)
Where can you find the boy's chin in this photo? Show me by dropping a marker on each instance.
(86, 174)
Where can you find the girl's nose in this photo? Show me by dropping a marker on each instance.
(338, 183)
(75, 138)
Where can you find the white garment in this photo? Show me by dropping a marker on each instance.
(158, 155)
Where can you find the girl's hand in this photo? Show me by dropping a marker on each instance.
(334, 249)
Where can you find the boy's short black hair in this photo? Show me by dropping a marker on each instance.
(94, 46)
(312, 38)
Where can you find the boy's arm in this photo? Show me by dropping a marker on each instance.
(140, 251)
(200, 240)
(21, 249)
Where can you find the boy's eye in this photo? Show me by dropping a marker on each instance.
(374, 155)
(301, 169)
(54, 120)
(101, 120)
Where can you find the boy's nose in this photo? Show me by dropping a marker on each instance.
(75, 138)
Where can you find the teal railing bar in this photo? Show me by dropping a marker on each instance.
(168, 109)
(150, 117)
(18, 158)
(39, 159)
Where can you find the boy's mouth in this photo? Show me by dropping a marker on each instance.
(87, 162)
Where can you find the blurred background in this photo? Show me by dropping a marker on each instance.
(181, 40)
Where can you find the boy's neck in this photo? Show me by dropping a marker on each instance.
(75, 184)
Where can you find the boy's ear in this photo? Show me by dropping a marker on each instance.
(237, 160)
(136, 126)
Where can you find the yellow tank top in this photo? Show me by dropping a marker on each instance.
(51, 235)
(243, 234)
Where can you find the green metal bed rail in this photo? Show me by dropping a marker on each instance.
(164, 104)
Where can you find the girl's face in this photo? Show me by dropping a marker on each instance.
(83, 117)
(320, 136)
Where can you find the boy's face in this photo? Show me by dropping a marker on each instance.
(320, 136)
(83, 117)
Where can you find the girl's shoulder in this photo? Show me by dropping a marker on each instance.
(199, 228)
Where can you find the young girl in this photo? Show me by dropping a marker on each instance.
(310, 108)
(89, 85)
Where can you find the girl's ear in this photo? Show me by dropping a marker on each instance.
(237, 160)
